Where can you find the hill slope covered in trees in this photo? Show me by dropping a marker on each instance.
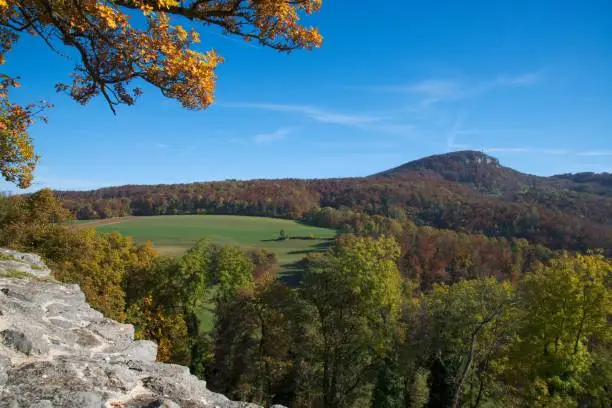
(463, 191)
(393, 315)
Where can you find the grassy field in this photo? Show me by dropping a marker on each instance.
(174, 234)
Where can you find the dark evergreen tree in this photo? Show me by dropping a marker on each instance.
(389, 388)
(440, 386)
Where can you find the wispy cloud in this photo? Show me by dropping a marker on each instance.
(434, 90)
(388, 124)
(458, 130)
(262, 138)
(161, 146)
(265, 138)
(596, 153)
(507, 149)
(312, 112)
(548, 151)
(530, 78)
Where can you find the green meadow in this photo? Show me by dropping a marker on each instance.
(174, 234)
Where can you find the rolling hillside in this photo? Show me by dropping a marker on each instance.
(586, 195)
(486, 174)
(174, 235)
(462, 191)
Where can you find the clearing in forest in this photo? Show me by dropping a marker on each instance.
(174, 234)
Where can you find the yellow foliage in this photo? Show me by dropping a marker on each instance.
(17, 157)
(165, 4)
(99, 264)
(169, 330)
(113, 52)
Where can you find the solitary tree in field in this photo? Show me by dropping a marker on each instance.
(282, 235)
(113, 49)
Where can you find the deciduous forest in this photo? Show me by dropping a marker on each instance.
(453, 281)
(395, 313)
(464, 191)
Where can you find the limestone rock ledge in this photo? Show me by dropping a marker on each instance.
(56, 351)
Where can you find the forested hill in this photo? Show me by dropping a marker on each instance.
(486, 174)
(595, 183)
(586, 195)
(463, 191)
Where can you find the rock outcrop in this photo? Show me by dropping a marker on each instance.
(56, 351)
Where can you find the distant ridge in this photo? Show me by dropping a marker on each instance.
(476, 169)
(486, 174)
(440, 163)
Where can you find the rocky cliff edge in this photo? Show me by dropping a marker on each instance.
(56, 351)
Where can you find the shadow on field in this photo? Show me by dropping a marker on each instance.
(294, 272)
(298, 239)
(293, 275)
(320, 247)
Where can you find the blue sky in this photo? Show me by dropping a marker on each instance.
(530, 82)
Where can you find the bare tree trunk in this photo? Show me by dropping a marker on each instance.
(470, 359)
(466, 369)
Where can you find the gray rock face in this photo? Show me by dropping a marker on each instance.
(56, 351)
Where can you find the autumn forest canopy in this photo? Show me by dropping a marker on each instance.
(448, 281)
(443, 288)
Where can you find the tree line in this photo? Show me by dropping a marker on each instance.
(355, 335)
(568, 222)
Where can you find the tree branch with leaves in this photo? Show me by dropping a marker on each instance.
(113, 49)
